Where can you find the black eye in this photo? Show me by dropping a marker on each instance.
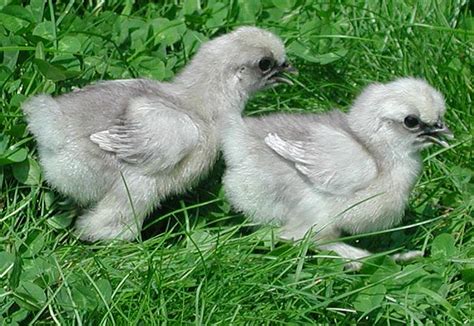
(265, 64)
(411, 121)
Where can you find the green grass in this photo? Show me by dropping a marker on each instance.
(199, 261)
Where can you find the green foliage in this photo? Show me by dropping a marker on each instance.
(199, 263)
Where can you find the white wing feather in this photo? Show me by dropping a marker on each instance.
(332, 160)
(159, 137)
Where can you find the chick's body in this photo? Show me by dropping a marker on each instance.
(269, 188)
(334, 172)
(120, 147)
(81, 169)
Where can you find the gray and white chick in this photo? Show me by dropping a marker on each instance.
(120, 147)
(335, 172)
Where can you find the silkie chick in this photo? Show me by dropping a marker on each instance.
(118, 148)
(335, 173)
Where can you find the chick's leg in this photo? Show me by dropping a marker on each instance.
(325, 233)
(120, 214)
(407, 256)
(297, 231)
(348, 252)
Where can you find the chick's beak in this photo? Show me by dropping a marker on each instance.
(436, 133)
(277, 74)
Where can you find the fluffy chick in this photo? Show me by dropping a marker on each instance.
(120, 147)
(335, 172)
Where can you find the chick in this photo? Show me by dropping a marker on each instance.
(120, 147)
(335, 172)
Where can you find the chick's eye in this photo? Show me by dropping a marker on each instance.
(411, 121)
(266, 64)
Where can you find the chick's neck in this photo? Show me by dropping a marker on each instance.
(209, 93)
(397, 166)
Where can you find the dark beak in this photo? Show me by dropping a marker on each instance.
(436, 133)
(277, 74)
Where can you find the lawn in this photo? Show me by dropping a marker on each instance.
(199, 262)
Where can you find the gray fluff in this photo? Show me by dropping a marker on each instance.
(120, 147)
(335, 172)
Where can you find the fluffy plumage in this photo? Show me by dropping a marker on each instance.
(120, 147)
(334, 172)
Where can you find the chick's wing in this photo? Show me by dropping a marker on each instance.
(332, 160)
(150, 134)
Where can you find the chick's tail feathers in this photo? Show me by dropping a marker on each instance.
(43, 115)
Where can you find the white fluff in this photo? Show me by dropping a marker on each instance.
(335, 172)
(120, 147)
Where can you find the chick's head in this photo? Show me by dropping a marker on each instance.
(404, 115)
(245, 60)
